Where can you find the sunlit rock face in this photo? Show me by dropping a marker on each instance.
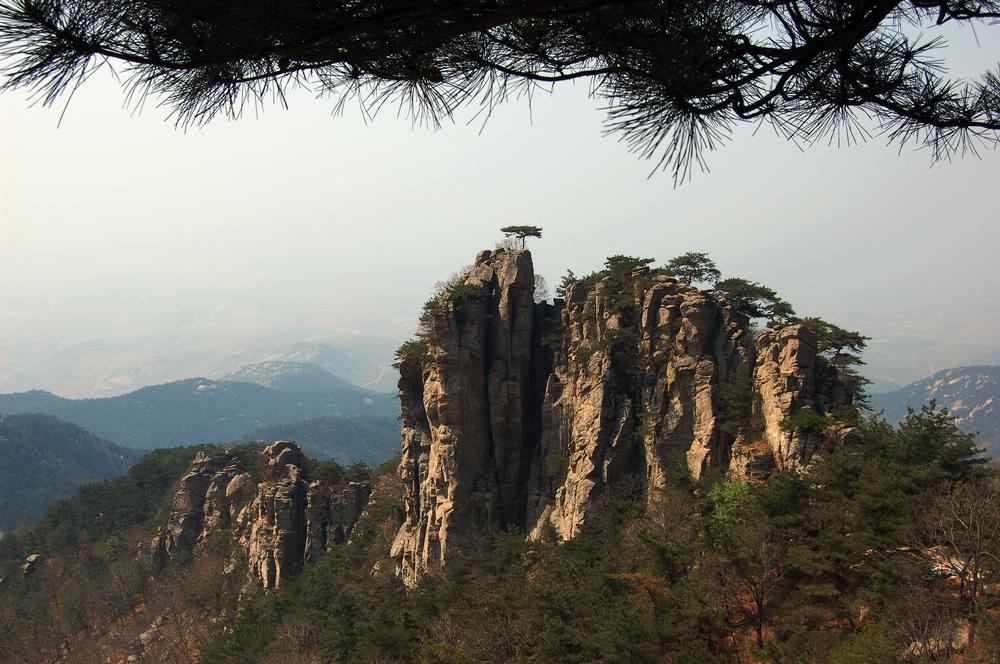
(471, 415)
(530, 416)
(278, 524)
(633, 390)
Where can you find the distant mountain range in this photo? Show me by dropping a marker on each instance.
(200, 410)
(43, 459)
(289, 377)
(367, 365)
(98, 365)
(972, 394)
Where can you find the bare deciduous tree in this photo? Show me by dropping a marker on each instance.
(926, 625)
(965, 523)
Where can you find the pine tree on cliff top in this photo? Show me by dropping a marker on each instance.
(676, 77)
(522, 232)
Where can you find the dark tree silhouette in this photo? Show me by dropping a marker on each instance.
(676, 75)
(522, 232)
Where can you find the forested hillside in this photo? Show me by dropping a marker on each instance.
(372, 439)
(43, 459)
(836, 566)
(197, 410)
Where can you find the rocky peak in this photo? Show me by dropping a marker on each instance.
(470, 415)
(280, 524)
(530, 415)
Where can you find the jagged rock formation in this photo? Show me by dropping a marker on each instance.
(280, 524)
(468, 420)
(528, 415)
(202, 504)
(632, 390)
(789, 375)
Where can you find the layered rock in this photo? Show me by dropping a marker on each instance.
(528, 416)
(280, 524)
(274, 532)
(788, 375)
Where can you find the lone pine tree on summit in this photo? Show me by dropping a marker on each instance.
(522, 232)
(676, 76)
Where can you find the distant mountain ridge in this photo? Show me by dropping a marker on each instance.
(972, 394)
(288, 376)
(43, 459)
(363, 368)
(197, 410)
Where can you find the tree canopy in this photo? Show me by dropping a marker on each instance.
(754, 300)
(675, 76)
(522, 232)
(694, 267)
(843, 349)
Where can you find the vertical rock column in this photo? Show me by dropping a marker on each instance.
(691, 346)
(784, 380)
(622, 420)
(587, 414)
(466, 450)
(276, 536)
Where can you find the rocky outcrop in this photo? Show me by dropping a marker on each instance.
(633, 391)
(469, 420)
(788, 375)
(331, 515)
(280, 523)
(532, 416)
(200, 505)
(274, 531)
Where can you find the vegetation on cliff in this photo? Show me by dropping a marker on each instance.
(93, 589)
(833, 566)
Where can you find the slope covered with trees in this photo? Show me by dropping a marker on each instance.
(43, 459)
(834, 566)
(971, 394)
(197, 410)
(372, 439)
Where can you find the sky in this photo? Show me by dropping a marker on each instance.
(133, 252)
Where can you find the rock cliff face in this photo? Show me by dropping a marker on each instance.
(470, 417)
(280, 524)
(528, 415)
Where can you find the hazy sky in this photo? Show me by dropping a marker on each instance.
(124, 238)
